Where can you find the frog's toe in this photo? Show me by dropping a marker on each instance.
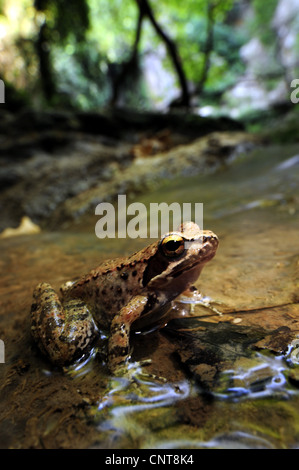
(147, 376)
(66, 287)
(133, 371)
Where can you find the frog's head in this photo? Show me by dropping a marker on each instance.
(179, 258)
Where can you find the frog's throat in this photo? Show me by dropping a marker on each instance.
(183, 270)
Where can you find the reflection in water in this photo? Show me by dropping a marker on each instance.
(82, 366)
(123, 410)
(293, 355)
(237, 440)
(271, 200)
(288, 163)
(127, 397)
(163, 395)
(230, 440)
(266, 379)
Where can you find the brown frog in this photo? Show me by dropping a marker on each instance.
(118, 294)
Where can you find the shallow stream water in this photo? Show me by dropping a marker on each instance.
(247, 398)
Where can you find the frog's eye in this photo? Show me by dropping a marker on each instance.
(173, 245)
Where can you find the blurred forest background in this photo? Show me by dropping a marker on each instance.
(218, 57)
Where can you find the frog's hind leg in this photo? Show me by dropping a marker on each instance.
(63, 331)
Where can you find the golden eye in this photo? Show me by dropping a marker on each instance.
(173, 245)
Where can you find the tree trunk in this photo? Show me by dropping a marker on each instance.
(45, 66)
(209, 44)
(145, 9)
(128, 65)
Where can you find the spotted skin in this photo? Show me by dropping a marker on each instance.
(62, 330)
(118, 295)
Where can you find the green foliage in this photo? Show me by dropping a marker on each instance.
(187, 23)
(111, 34)
(81, 75)
(86, 43)
(112, 26)
(65, 19)
(264, 12)
(226, 64)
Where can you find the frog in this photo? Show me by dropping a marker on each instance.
(119, 296)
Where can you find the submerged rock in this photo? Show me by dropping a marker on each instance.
(207, 349)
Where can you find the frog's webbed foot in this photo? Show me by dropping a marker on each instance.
(193, 297)
(128, 385)
(134, 372)
(146, 375)
(66, 287)
(63, 331)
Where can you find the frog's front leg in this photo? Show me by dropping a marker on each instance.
(118, 345)
(62, 330)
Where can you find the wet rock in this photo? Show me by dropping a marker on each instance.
(48, 159)
(202, 156)
(277, 341)
(36, 184)
(253, 281)
(206, 349)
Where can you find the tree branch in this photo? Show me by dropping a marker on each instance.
(129, 64)
(209, 44)
(145, 8)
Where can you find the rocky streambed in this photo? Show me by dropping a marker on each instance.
(230, 360)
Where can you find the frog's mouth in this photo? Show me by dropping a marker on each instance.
(204, 254)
